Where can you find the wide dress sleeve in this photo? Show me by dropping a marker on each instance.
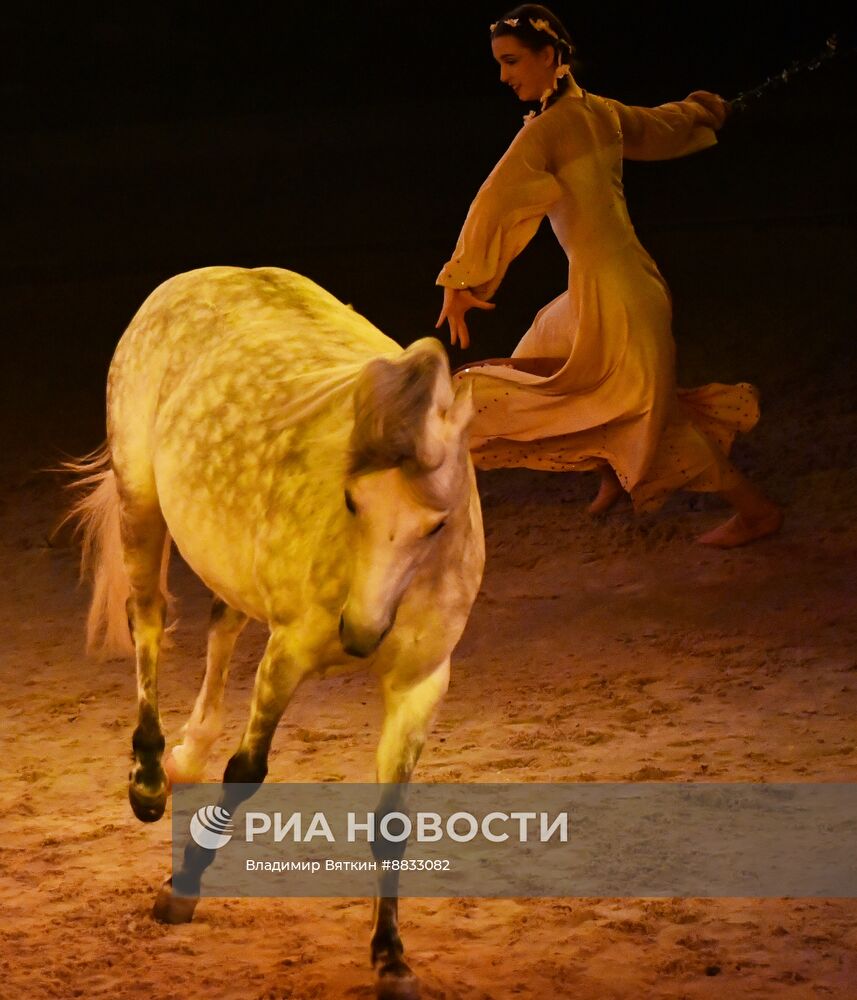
(504, 215)
(665, 132)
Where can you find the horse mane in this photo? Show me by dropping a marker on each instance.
(391, 402)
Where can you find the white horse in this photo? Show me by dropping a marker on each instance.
(316, 477)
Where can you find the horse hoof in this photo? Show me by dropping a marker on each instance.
(147, 807)
(396, 982)
(171, 909)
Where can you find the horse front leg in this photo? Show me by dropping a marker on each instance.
(408, 712)
(144, 535)
(277, 678)
(187, 759)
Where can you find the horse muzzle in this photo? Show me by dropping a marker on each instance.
(361, 640)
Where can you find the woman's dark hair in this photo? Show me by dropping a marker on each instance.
(521, 21)
(535, 27)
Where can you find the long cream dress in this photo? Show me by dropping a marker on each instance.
(614, 398)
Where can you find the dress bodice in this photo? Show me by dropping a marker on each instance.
(567, 164)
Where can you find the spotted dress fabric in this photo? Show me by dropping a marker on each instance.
(613, 398)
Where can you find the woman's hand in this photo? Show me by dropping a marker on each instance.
(717, 108)
(456, 302)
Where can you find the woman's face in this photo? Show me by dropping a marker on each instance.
(528, 73)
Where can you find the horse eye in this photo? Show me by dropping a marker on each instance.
(349, 503)
(436, 528)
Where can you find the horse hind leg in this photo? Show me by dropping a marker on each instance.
(144, 536)
(187, 759)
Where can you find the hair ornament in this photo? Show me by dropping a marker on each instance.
(540, 24)
(511, 21)
(561, 71)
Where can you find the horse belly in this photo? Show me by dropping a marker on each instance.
(225, 570)
(214, 531)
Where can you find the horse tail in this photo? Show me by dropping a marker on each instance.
(97, 517)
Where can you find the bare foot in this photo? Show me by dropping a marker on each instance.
(741, 530)
(608, 493)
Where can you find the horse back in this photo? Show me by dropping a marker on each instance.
(241, 315)
(230, 407)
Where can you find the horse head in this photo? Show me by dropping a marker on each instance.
(408, 484)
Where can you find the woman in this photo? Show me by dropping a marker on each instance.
(592, 382)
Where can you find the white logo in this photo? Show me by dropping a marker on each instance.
(211, 827)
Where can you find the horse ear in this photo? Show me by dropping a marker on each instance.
(430, 446)
(462, 411)
(440, 428)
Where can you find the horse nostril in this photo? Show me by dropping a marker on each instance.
(341, 625)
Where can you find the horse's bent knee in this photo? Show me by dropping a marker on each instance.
(183, 767)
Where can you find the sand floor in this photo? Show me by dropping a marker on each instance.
(615, 650)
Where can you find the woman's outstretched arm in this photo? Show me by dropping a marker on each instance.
(671, 130)
(503, 218)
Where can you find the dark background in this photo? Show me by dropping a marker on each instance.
(346, 142)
